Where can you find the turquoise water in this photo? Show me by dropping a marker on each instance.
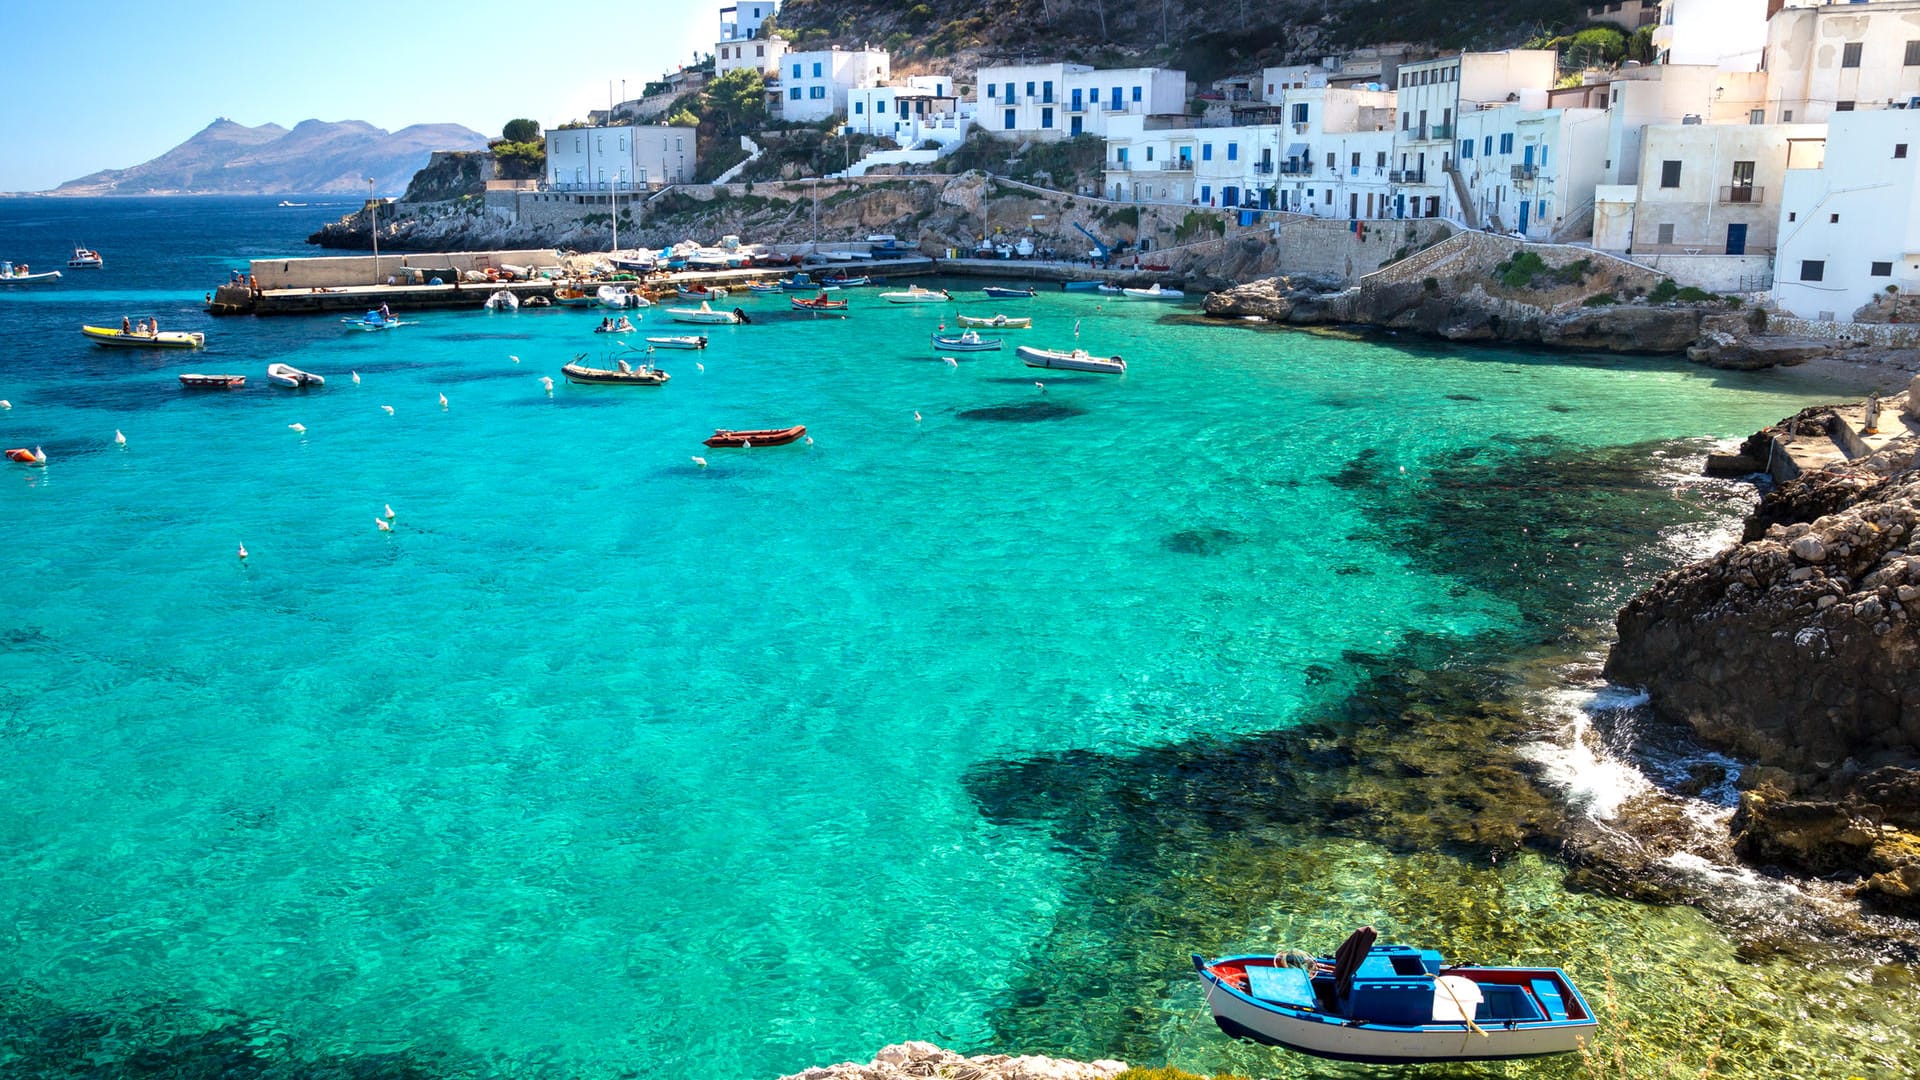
(604, 763)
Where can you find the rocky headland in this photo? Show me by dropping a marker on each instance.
(1799, 650)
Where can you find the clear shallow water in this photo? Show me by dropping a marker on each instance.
(602, 762)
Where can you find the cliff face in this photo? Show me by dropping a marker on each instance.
(315, 157)
(1800, 649)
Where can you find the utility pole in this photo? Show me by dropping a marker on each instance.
(373, 217)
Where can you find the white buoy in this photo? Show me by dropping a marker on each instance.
(443, 401)
(388, 408)
(513, 358)
(809, 440)
(700, 461)
(243, 551)
(5, 404)
(700, 365)
(382, 522)
(390, 513)
(746, 444)
(356, 378)
(916, 416)
(39, 456)
(1040, 386)
(119, 439)
(951, 362)
(300, 428)
(547, 381)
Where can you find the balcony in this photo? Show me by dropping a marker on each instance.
(1524, 173)
(1407, 176)
(1743, 194)
(1440, 131)
(1179, 165)
(1264, 168)
(1296, 167)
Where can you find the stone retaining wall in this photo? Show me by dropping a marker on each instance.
(1884, 335)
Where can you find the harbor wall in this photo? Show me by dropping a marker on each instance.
(330, 271)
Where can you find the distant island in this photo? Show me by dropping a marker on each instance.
(315, 157)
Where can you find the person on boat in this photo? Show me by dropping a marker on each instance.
(153, 327)
(384, 313)
(125, 326)
(140, 327)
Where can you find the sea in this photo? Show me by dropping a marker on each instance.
(968, 719)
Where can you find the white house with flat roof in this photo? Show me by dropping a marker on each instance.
(1725, 34)
(923, 107)
(1337, 152)
(1850, 216)
(1840, 58)
(1708, 189)
(742, 21)
(620, 158)
(1276, 81)
(1433, 94)
(813, 85)
(1531, 170)
(1148, 162)
(1060, 101)
(760, 54)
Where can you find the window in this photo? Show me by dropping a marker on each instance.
(1356, 160)
(1786, 116)
(1466, 149)
(1149, 153)
(993, 91)
(1792, 216)
(1850, 54)
(1330, 160)
(1029, 87)
(859, 107)
(1881, 269)
(816, 69)
(1206, 151)
(1913, 55)
(796, 71)
(1843, 106)
(1506, 142)
(1487, 149)
(1833, 219)
(1742, 189)
(1123, 155)
(1406, 121)
(1233, 151)
(1666, 233)
(1899, 150)
(1010, 97)
(1380, 160)
(1669, 174)
(1756, 116)
(759, 50)
(1046, 118)
(623, 143)
(1813, 270)
(793, 94)
(816, 92)
(1046, 91)
(1136, 93)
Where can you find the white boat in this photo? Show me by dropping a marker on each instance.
(18, 275)
(284, 202)
(617, 296)
(996, 322)
(84, 259)
(701, 292)
(971, 341)
(914, 294)
(682, 341)
(503, 301)
(705, 314)
(1076, 360)
(132, 339)
(1110, 290)
(288, 375)
(1394, 1004)
(607, 326)
(1154, 293)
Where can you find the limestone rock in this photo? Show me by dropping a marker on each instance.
(919, 1060)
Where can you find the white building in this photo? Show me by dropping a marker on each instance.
(925, 106)
(742, 21)
(1057, 101)
(1628, 15)
(1276, 81)
(1726, 34)
(1850, 216)
(1532, 171)
(760, 54)
(620, 158)
(1670, 94)
(1834, 59)
(1338, 152)
(1148, 162)
(1433, 94)
(1705, 189)
(813, 85)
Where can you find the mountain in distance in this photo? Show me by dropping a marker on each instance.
(316, 157)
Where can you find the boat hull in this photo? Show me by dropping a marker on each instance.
(800, 304)
(30, 279)
(1007, 294)
(122, 339)
(915, 297)
(293, 377)
(1066, 361)
(213, 382)
(587, 376)
(726, 437)
(963, 345)
(995, 322)
(677, 342)
(705, 318)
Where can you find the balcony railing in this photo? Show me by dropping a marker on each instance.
(1295, 167)
(1178, 165)
(1525, 172)
(1264, 168)
(1440, 131)
(1747, 194)
(1407, 176)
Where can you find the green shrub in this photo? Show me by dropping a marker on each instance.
(1430, 284)
(1663, 292)
(1691, 295)
(1599, 300)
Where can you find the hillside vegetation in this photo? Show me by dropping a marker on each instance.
(1209, 38)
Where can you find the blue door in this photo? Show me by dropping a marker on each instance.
(1524, 205)
(1526, 158)
(1117, 106)
(1736, 239)
(1230, 196)
(1399, 206)
(1076, 99)
(1075, 124)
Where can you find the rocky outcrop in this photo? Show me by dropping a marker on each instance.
(918, 1060)
(1800, 649)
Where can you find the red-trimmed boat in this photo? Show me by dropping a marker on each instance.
(1395, 1004)
(726, 437)
(213, 382)
(817, 303)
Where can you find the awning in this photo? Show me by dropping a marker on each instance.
(1297, 150)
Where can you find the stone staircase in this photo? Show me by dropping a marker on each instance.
(1463, 194)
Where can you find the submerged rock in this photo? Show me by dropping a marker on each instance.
(917, 1060)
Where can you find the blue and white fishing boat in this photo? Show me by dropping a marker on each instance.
(1395, 1004)
(374, 320)
(804, 283)
(971, 341)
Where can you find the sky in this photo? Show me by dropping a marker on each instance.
(106, 84)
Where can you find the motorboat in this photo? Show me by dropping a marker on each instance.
(804, 283)
(284, 202)
(680, 341)
(637, 262)
(1153, 293)
(133, 339)
(995, 322)
(1002, 292)
(914, 294)
(1073, 360)
(85, 259)
(764, 287)
(374, 320)
(213, 382)
(844, 282)
(1395, 1004)
(503, 301)
(971, 341)
(24, 456)
(727, 437)
(622, 374)
(817, 303)
(290, 376)
(617, 296)
(705, 314)
(699, 292)
(1081, 286)
(624, 326)
(567, 296)
(1109, 289)
(21, 275)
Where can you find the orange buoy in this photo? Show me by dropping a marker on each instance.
(25, 457)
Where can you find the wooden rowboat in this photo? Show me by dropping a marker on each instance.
(817, 303)
(727, 437)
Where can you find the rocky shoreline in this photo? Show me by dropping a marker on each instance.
(918, 1060)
